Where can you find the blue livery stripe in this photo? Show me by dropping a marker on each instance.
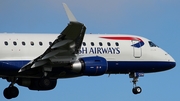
(113, 66)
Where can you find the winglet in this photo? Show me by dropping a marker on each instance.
(69, 13)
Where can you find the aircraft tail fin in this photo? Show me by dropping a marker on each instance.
(69, 13)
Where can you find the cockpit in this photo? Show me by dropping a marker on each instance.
(151, 44)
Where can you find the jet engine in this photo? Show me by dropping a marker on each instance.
(90, 66)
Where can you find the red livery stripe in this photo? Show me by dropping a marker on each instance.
(120, 38)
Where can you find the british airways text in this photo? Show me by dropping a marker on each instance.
(99, 50)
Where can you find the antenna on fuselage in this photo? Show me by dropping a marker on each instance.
(69, 13)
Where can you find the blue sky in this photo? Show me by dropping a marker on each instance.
(157, 20)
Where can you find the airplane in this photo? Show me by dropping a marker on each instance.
(36, 61)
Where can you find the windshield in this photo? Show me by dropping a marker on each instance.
(151, 44)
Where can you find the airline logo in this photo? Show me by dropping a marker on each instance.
(139, 44)
(99, 50)
(111, 50)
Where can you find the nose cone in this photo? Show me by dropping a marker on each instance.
(172, 62)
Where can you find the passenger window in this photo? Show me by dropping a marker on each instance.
(6, 43)
(23, 43)
(32, 43)
(117, 44)
(40, 43)
(84, 44)
(100, 44)
(15, 43)
(92, 43)
(108, 43)
(50, 43)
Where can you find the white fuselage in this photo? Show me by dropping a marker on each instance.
(117, 49)
(123, 52)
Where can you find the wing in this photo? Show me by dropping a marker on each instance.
(65, 47)
(62, 51)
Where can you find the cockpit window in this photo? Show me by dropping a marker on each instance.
(151, 44)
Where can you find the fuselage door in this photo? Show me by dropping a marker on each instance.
(137, 51)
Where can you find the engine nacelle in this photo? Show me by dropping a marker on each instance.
(91, 66)
(34, 83)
